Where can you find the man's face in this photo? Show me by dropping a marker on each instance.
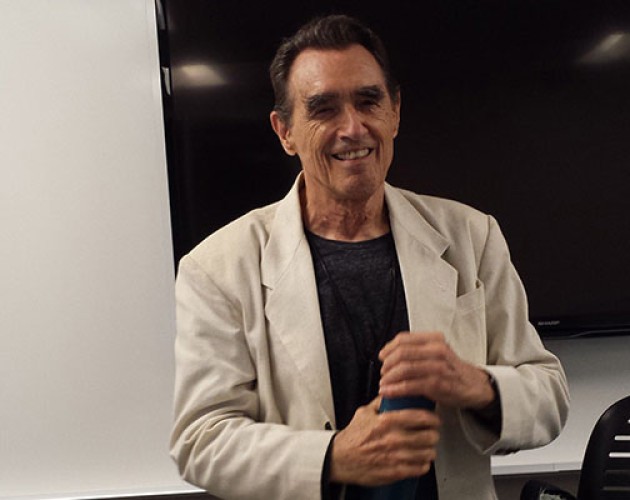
(343, 123)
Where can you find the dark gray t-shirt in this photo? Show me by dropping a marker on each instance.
(363, 306)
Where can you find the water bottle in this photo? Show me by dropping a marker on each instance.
(406, 489)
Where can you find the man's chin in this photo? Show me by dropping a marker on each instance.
(359, 189)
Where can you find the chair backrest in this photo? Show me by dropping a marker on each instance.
(606, 468)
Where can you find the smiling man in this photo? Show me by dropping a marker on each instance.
(296, 321)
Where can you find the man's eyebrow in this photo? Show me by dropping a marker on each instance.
(315, 101)
(372, 91)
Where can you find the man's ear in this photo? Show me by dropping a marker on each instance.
(397, 112)
(283, 132)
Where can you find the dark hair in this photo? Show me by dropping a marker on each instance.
(329, 32)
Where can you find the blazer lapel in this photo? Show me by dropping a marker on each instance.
(430, 282)
(292, 305)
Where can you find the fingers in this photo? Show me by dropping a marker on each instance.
(377, 449)
(421, 375)
(423, 364)
(409, 420)
(401, 456)
(434, 387)
(415, 356)
(418, 357)
(404, 339)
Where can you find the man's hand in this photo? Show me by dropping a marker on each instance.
(422, 364)
(376, 449)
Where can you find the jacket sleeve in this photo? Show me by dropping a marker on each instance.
(218, 439)
(531, 382)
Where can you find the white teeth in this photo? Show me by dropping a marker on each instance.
(353, 155)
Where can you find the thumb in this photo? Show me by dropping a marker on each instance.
(375, 404)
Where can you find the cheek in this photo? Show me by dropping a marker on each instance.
(316, 143)
(387, 125)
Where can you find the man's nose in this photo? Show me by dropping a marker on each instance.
(352, 124)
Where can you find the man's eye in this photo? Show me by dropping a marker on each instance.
(368, 103)
(320, 112)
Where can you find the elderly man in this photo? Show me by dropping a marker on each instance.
(296, 320)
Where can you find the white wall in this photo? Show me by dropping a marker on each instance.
(86, 269)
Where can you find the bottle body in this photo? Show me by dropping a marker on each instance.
(405, 489)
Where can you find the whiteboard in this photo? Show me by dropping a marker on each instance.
(86, 266)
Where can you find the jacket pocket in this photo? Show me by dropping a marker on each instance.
(468, 334)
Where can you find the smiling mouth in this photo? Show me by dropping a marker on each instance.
(353, 155)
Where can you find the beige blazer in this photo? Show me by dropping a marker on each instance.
(253, 399)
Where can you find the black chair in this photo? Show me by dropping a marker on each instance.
(605, 473)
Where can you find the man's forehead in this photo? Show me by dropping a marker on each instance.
(335, 70)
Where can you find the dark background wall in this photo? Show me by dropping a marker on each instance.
(518, 108)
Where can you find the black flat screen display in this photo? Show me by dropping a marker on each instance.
(520, 109)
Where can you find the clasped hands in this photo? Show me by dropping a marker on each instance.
(376, 449)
